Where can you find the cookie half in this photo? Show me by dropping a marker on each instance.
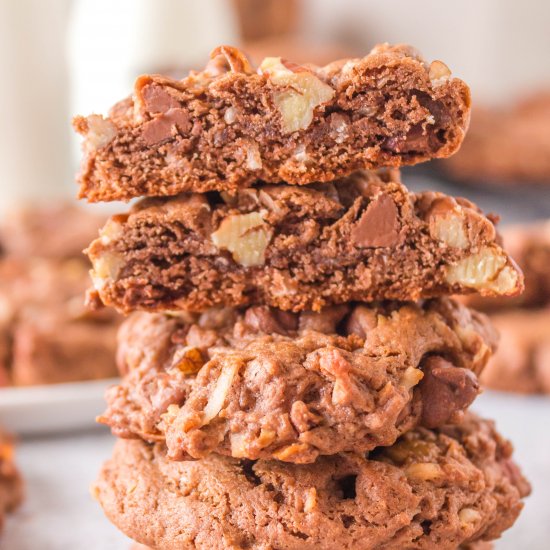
(228, 126)
(362, 238)
(440, 488)
(261, 383)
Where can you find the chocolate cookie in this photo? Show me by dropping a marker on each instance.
(262, 383)
(432, 489)
(11, 485)
(362, 238)
(228, 126)
(51, 230)
(488, 154)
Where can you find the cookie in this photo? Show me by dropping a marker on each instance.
(57, 230)
(262, 383)
(522, 361)
(229, 126)
(47, 335)
(431, 489)
(11, 484)
(488, 154)
(361, 238)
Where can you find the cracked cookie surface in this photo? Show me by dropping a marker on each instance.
(261, 383)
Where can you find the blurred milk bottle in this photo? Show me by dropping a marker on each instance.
(34, 132)
(111, 42)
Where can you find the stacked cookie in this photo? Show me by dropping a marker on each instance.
(295, 374)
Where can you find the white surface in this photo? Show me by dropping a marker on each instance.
(55, 408)
(59, 513)
(525, 421)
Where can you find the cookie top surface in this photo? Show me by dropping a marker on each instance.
(438, 488)
(261, 383)
(229, 126)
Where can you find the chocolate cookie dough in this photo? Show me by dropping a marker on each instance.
(363, 238)
(432, 489)
(228, 126)
(261, 383)
(11, 485)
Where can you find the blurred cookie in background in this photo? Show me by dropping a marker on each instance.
(57, 230)
(296, 50)
(258, 19)
(47, 335)
(11, 484)
(506, 146)
(522, 361)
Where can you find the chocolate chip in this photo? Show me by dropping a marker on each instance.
(379, 224)
(165, 126)
(264, 319)
(445, 390)
(324, 321)
(361, 321)
(414, 141)
(157, 100)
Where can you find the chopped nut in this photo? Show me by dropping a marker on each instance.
(246, 236)
(291, 452)
(230, 115)
(220, 391)
(111, 231)
(457, 225)
(253, 158)
(302, 93)
(468, 516)
(485, 270)
(300, 153)
(267, 200)
(439, 73)
(106, 267)
(406, 449)
(339, 127)
(100, 133)
(188, 360)
(311, 500)
(423, 471)
(450, 230)
(236, 59)
(266, 437)
(411, 377)
(239, 448)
